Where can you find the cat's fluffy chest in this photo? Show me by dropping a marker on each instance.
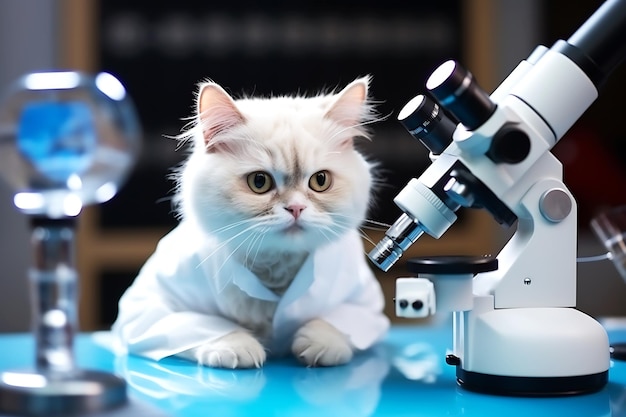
(254, 314)
(276, 271)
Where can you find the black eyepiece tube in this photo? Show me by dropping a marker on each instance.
(600, 41)
(455, 88)
(425, 121)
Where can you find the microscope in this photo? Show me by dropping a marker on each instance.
(515, 328)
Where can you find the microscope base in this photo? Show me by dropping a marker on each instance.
(531, 386)
(80, 392)
(529, 351)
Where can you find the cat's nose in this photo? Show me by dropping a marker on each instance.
(295, 210)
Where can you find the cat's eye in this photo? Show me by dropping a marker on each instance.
(320, 181)
(260, 182)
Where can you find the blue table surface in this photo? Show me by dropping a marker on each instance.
(406, 375)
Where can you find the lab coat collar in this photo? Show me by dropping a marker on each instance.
(233, 272)
(248, 282)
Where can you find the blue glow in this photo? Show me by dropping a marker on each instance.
(59, 139)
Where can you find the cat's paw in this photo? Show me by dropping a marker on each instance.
(235, 350)
(318, 343)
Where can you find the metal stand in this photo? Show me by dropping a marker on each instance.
(56, 386)
(40, 394)
(71, 140)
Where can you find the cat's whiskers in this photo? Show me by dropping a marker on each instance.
(223, 244)
(255, 236)
(256, 226)
(259, 236)
(259, 245)
(233, 225)
(251, 235)
(335, 229)
(381, 226)
(378, 226)
(233, 252)
(364, 222)
(321, 230)
(366, 237)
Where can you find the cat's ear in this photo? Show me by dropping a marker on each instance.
(349, 107)
(217, 111)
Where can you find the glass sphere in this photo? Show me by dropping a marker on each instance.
(67, 140)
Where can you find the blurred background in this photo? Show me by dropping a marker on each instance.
(162, 49)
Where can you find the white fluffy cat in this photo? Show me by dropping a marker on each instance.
(267, 257)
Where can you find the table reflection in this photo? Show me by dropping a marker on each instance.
(405, 375)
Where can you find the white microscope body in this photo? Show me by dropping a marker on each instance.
(521, 334)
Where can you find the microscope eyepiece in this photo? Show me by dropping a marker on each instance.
(456, 89)
(426, 121)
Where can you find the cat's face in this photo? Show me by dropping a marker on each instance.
(277, 174)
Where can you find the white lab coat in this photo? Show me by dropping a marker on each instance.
(175, 303)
